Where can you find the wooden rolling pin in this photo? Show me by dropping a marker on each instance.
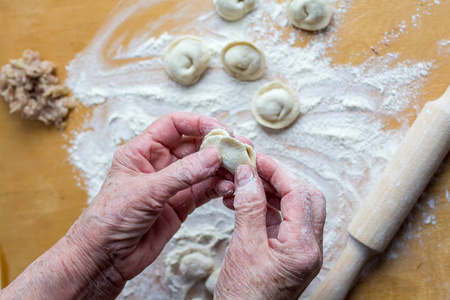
(390, 201)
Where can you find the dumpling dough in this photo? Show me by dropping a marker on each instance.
(309, 14)
(234, 153)
(243, 60)
(211, 281)
(186, 59)
(233, 10)
(196, 266)
(275, 106)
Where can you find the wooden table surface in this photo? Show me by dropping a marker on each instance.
(39, 195)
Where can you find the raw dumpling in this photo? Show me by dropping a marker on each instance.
(243, 60)
(234, 153)
(275, 106)
(186, 59)
(309, 14)
(196, 266)
(233, 10)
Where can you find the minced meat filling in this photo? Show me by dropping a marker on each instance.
(31, 88)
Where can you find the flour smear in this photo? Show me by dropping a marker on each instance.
(340, 144)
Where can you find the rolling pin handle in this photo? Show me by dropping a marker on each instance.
(341, 278)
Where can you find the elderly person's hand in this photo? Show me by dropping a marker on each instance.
(158, 179)
(155, 181)
(272, 256)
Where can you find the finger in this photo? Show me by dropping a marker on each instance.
(318, 207)
(170, 128)
(154, 241)
(273, 220)
(135, 155)
(272, 200)
(244, 140)
(211, 189)
(186, 146)
(228, 202)
(249, 204)
(274, 175)
(186, 201)
(297, 217)
(225, 174)
(273, 217)
(295, 201)
(269, 188)
(166, 133)
(182, 174)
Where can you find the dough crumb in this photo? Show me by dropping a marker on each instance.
(212, 280)
(30, 87)
(196, 266)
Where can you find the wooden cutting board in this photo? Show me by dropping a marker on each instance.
(40, 198)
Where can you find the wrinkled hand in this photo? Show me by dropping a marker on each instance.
(155, 182)
(272, 256)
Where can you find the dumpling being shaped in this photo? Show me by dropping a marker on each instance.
(186, 59)
(233, 10)
(309, 15)
(243, 60)
(275, 106)
(234, 153)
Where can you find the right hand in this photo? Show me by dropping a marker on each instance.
(272, 256)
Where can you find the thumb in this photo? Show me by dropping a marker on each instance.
(184, 173)
(249, 203)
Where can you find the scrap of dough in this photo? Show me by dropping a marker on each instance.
(234, 153)
(196, 266)
(309, 14)
(233, 10)
(243, 60)
(275, 106)
(186, 59)
(211, 281)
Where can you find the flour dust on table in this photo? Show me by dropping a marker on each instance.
(339, 144)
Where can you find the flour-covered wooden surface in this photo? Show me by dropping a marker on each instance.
(39, 195)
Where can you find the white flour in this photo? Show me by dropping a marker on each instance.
(340, 144)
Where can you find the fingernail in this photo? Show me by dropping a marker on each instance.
(225, 189)
(210, 156)
(244, 175)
